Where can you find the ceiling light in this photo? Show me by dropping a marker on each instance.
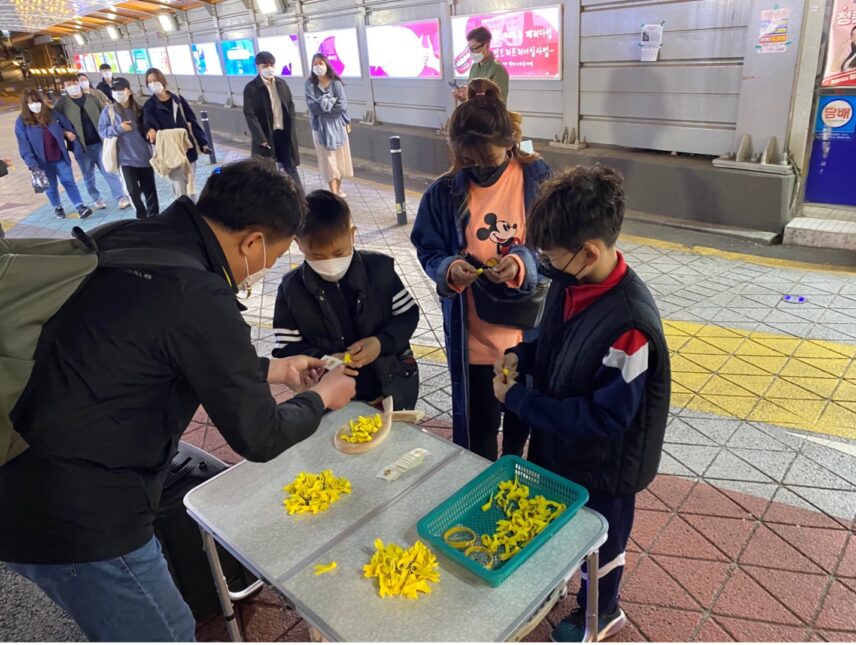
(167, 22)
(269, 6)
(79, 39)
(113, 32)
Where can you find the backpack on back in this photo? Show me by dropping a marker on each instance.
(37, 277)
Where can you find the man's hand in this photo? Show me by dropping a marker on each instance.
(266, 145)
(349, 370)
(69, 135)
(206, 150)
(462, 274)
(295, 371)
(364, 352)
(336, 388)
(152, 135)
(502, 383)
(506, 270)
(508, 361)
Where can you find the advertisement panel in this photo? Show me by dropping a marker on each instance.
(111, 59)
(78, 62)
(159, 59)
(833, 153)
(238, 56)
(339, 46)
(99, 59)
(840, 69)
(141, 61)
(205, 59)
(406, 50)
(528, 43)
(89, 63)
(180, 59)
(126, 62)
(286, 52)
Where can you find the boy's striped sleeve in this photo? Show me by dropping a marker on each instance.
(619, 387)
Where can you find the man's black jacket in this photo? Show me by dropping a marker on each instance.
(133, 356)
(259, 114)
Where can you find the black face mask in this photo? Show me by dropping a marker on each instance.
(485, 176)
(559, 275)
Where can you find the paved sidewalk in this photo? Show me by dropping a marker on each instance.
(747, 534)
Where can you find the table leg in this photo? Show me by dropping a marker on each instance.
(222, 587)
(592, 565)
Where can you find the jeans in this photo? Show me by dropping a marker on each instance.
(88, 160)
(179, 179)
(129, 598)
(61, 170)
(485, 413)
(141, 181)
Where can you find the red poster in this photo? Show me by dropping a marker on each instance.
(840, 67)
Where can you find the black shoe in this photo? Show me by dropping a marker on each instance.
(573, 628)
(59, 212)
(84, 211)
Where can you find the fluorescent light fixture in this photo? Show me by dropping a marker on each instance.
(79, 39)
(167, 22)
(269, 6)
(113, 32)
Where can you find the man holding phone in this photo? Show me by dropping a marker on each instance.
(484, 64)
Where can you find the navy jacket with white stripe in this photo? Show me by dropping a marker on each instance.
(316, 318)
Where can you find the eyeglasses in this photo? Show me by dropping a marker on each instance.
(547, 264)
(475, 49)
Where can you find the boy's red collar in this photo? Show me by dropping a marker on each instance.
(580, 296)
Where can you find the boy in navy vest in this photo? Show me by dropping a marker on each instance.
(599, 399)
(343, 301)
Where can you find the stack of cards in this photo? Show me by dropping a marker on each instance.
(331, 362)
(401, 465)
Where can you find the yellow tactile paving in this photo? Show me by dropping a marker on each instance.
(807, 385)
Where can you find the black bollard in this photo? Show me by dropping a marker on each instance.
(212, 156)
(398, 180)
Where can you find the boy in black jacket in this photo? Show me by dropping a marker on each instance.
(342, 301)
(600, 368)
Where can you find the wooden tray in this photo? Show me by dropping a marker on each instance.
(388, 416)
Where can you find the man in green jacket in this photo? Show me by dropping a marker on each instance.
(484, 64)
(83, 110)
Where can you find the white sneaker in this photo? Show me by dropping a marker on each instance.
(124, 203)
(99, 205)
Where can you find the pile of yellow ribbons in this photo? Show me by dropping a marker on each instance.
(362, 429)
(314, 493)
(402, 572)
(525, 518)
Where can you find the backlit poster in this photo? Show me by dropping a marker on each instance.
(99, 60)
(78, 62)
(111, 59)
(180, 59)
(339, 46)
(286, 52)
(528, 43)
(840, 69)
(89, 63)
(239, 57)
(206, 60)
(141, 61)
(126, 62)
(406, 50)
(160, 59)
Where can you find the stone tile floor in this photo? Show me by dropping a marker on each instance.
(746, 534)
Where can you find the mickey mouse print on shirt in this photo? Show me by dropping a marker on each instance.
(500, 232)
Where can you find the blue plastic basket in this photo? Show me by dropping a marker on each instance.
(464, 508)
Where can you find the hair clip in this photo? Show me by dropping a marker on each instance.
(480, 94)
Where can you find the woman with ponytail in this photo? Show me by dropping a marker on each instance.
(470, 227)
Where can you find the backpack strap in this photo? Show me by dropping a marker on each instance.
(134, 258)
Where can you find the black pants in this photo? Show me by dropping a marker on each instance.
(282, 146)
(485, 412)
(618, 511)
(141, 181)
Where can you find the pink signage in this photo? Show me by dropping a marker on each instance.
(406, 50)
(528, 43)
(840, 67)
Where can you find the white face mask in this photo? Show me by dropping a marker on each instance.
(476, 58)
(156, 87)
(35, 108)
(107, 75)
(332, 270)
(120, 96)
(74, 91)
(254, 278)
(268, 72)
(320, 70)
(84, 84)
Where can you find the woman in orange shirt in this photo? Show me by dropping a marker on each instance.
(471, 225)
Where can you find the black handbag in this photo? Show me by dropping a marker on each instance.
(498, 305)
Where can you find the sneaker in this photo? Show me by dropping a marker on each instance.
(99, 205)
(124, 203)
(59, 211)
(342, 194)
(573, 628)
(84, 211)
